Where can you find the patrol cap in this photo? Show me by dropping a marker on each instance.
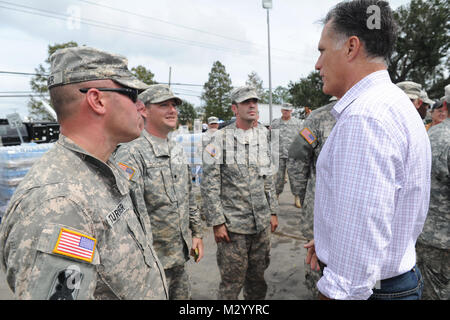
(81, 64)
(287, 106)
(439, 104)
(241, 94)
(425, 99)
(157, 93)
(212, 120)
(412, 89)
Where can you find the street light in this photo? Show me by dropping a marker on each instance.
(267, 4)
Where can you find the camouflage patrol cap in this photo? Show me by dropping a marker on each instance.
(212, 120)
(287, 106)
(157, 93)
(425, 99)
(80, 64)
(439, 104)
(241, 94)
(412, 89)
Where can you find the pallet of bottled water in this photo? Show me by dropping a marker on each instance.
(15, 162)
(192, 147)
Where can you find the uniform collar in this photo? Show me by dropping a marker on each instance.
(160, 146)
(109, 168)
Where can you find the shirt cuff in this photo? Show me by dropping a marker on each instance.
(337, 287)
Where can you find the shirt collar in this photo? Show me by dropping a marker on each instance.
(358, 89)
(160, 146)
(109, 169)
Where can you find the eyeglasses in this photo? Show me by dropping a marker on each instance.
(130, 93)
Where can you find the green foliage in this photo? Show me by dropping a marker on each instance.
(281, 95)
(216, 93)
(422, 49)
(255, 81)
(38, 84)
(308, 92)
(143, 74)
(186, 113)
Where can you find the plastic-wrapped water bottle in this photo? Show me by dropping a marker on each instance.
(15, 162)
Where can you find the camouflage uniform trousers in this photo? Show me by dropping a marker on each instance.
(311, 279)
(434, 264)
(242, 263)
(292, 171)
(178, 282)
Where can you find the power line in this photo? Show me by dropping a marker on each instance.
(114, 27)
(182, 26)
(46, 74)
(120, 28)
(23, 73)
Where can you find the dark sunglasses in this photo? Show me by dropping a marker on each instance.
(130, 93)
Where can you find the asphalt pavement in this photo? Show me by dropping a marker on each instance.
(285, 275)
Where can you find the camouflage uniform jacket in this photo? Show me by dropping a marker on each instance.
(306, 152)
(238, 187)
(288, 131)
(163, 179)
(436, 229)
(69, 188)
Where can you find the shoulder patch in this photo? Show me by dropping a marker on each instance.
(129, 171)
(308, 135)
(75, 245)
(211, 149)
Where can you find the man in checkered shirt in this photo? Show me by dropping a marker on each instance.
(373, 173)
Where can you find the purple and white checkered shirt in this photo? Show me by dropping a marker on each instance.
(372, 189)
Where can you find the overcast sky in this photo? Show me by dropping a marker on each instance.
(187, 36)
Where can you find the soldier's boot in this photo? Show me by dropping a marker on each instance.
(297, 202)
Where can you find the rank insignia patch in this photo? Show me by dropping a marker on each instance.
(307, 134)
(75, 245)
(128, 170)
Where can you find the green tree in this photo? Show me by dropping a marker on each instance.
(143, 74)
(308, 92)
(421, 53)
(216, 93)
(38, 84)
(186, 113)
(255, 81)
(281, 95)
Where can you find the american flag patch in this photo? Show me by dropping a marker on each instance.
(307, 134)
(211, 150)
(128, 170)
(75, 245)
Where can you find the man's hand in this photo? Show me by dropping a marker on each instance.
(311, 257)
(197, 250)
(221, 233)
(273, 222)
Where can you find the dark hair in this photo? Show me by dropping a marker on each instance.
(439, 104)
(351, 18)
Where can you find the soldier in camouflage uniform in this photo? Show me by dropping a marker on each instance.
(288, 128)
(71, 230)
(162, 180)
(238, 195)
(305, 150)
(433, 244)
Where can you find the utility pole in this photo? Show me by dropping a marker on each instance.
(267, 4)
